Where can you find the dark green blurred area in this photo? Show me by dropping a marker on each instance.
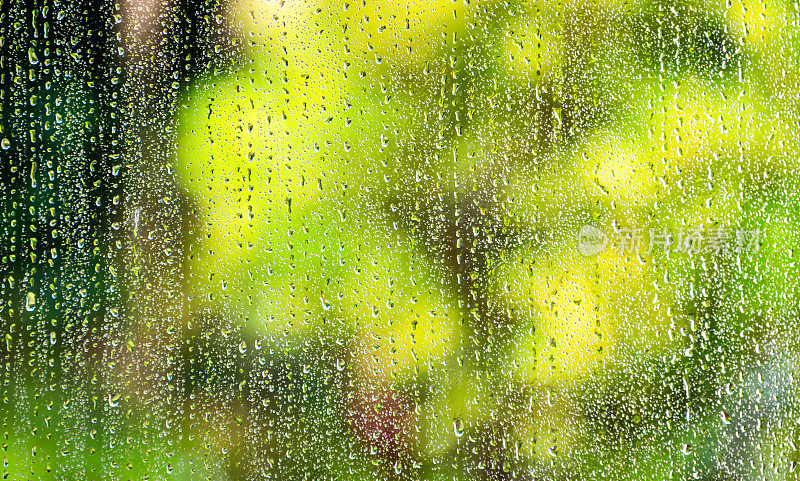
(340, 241)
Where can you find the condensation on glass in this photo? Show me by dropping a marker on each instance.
(381, 239)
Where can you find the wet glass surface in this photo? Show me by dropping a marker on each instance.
(445, 240)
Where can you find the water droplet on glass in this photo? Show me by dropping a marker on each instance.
(30, 301)
(458, 427)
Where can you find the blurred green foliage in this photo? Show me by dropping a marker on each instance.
(321, 240)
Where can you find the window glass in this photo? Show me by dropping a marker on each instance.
(383, 239)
